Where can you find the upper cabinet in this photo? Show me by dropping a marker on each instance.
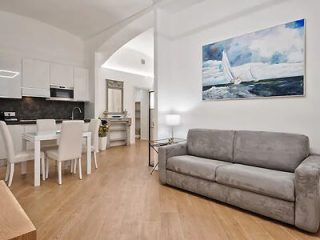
(10, 76)
(81, 84)
(61, 75)
(36, 78)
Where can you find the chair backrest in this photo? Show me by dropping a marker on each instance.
(94, 129)
(8, 142)
(46, 125)
(70, 140)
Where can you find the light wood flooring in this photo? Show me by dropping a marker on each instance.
(121, 200)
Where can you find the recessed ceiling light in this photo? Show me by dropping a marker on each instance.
(8, 74)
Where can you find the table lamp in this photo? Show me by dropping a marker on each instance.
(173, 120)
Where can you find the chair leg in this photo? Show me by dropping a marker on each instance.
(80, 169)
(59, 173)
(43, 168)
(95, 159)
(11, 174)
(75, 166)
(47, 167)
(7, 172)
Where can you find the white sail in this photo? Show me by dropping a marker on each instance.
(227, 68)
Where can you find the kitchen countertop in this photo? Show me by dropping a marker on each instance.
(23, 122)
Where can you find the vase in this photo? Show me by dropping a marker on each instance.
(102, 143)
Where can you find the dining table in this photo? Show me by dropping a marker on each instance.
(36, 137)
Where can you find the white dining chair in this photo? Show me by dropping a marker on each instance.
(13, 157)
(47, 125)
(70, 147)
(94, 129)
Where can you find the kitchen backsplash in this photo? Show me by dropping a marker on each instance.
(30, 108)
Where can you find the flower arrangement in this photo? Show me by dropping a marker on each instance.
(103, 129)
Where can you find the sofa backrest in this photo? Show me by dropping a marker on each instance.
(212, 144)
(278, 151)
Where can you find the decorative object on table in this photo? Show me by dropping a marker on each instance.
(172, 120)
(103, 130)
(155, 144)
(265, 63)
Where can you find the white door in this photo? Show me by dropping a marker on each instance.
(36, 78)
(61, 75)
(81, 84)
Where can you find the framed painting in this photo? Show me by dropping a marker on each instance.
(265, 63)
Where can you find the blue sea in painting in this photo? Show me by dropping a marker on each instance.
(266, 63)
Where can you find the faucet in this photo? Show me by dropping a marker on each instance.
(72, 115)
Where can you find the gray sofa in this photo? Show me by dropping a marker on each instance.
(272, 174)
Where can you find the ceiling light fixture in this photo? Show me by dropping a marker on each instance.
(8, 74)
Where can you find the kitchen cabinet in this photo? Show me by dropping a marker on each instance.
(10, 76)
(35, 78)
(81, 84)
(61, 75)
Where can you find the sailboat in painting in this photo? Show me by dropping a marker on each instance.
(228, 71)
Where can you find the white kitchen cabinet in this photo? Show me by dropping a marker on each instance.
(35, 78)
(61, 75)
(10, 76)
(81, 84)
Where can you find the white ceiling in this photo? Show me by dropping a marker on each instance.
(83, 18)
(143, 43)
(128, 58)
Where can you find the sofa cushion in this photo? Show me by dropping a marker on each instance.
(214, 144)
(278, 151)
(195, 166)
(268, 182)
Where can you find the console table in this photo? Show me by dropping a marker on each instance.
(119, 131)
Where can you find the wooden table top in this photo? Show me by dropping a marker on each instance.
(14, 222)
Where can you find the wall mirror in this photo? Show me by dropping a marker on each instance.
(114, 97)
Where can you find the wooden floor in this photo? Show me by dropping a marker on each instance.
(121, 201)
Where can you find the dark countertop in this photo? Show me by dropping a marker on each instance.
(23, 122)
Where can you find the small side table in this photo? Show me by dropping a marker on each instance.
(155, 144)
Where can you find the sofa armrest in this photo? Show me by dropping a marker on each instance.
(307, 207)
(166, 152)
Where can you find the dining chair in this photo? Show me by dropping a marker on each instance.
(70, 147)
(94, 129)
(13, 157)
(47, 125)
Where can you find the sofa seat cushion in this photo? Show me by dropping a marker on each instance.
(195, 166)
(268, 182)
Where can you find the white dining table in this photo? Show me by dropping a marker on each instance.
(37, 137)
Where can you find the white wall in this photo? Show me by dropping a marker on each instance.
(30, 38)
(179, 60)
(131, 83)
